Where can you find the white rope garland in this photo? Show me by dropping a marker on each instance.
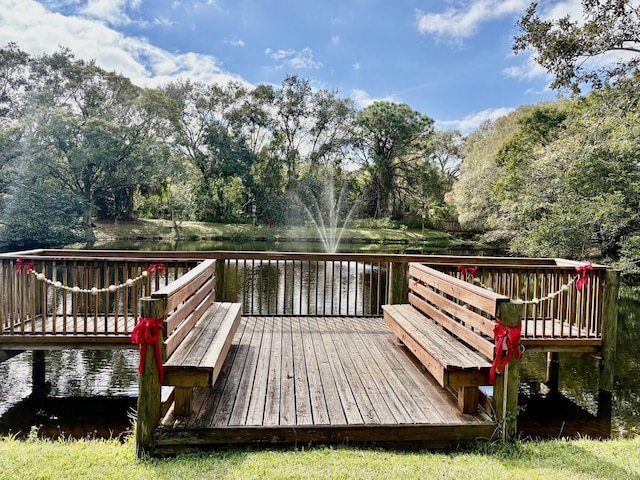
(130, 282)
(535, 301)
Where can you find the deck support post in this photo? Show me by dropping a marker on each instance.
(220, 281)
(397, 283)
(149, 400)
(552, 380)
(38, 374)
(609, 338)
(505, 390)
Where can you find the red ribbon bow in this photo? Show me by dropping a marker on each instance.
(468, 272)
(504, 336)
(582, 275)
(147, 332)
(156, 267)
(25, 265)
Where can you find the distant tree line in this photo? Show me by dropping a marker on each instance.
(79, 143)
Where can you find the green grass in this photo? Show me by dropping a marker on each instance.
(108, 459)
(160, 229)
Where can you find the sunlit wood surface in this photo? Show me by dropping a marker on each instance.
(305, 379)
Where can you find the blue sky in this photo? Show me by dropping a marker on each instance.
(450, 60)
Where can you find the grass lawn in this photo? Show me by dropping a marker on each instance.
(107, 460)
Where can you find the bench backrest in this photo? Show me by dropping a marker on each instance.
(462, 308)
(186, 300)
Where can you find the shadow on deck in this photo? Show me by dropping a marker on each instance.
(292, 380)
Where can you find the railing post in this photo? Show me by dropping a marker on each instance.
(505, 390)
(397, 283)
(220, 281)
(609, 328)
(149, 403)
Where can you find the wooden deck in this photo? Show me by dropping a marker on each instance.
(291, 380)
(67, 332)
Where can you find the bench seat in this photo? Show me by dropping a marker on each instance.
(198, 359)
(451, 362)
(448, 326)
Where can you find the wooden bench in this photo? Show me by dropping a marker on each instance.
(448, 326)
(199, 332)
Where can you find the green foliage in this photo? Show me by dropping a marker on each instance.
(574, 51)
(567, 180)
(392, 136)
(473, 193)
(42, 216)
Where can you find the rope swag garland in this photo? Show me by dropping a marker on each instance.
(581, 279)
(507, 339)
(27, 267)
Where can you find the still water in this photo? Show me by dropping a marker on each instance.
(93, 393)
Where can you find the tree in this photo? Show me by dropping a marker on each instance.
(592, 182)
(446, 153)
(473, 193)
(37, 213)
(392, 136)
(602, 47)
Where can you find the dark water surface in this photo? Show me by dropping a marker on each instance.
(93, 393)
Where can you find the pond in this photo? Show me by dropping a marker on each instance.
(93, 393)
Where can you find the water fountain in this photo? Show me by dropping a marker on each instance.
(328, 213)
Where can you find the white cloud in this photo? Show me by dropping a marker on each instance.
(362, 99)
(573, 8)
(527, 70)
(356, 66)
(473, 121)
(335, 40)
(37, 31)
(459, 23)
(296, 59)
(235, 43)
(111, 12)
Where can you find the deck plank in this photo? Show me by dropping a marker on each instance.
(244, 396)
(370, 389)
(345, 350)
(405, 390)
(320, 414)
(329, 386)
(272, 397)
(382, 383)
(287, 379)
(328, 369)
(233, 402)
(347, 399)
(304, 415)
(258, 392)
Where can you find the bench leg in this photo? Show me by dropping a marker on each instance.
(182, 401)
(468, 398)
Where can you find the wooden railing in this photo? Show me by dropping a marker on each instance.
(304, 284)
(554, 307)
(104, 300)
(269, 283)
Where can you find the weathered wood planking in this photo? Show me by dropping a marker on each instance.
(352, 366)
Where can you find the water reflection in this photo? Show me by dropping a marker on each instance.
(89, 393)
